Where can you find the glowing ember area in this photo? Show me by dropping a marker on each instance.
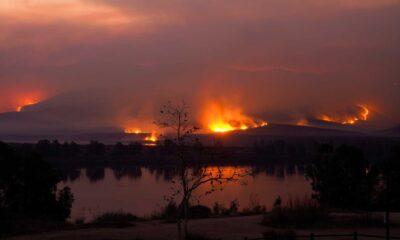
(132, 131)
(302, 122)
(26, 102)
(362, 115)
(152, 137)
(220, 119)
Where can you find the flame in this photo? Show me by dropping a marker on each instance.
(362, 115)
(132, 131)
(26, 102)
(302, 122)
(152, 137)
(220, 119)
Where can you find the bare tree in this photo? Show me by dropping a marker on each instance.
(175, 120)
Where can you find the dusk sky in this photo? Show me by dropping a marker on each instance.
(114, 62)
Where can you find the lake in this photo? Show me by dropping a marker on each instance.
(142, 190)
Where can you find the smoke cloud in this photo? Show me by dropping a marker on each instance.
(112, 63)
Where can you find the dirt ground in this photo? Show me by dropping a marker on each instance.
(234, 228)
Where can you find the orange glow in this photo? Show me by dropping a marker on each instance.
(362, 115)
(302, 122)
(220, 119)
(45, 11)
(132, 131)
(26, 102)
(152, 137)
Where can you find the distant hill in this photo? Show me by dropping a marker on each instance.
(274, 132)
(394, 131)
(293, 130)
(62, 114)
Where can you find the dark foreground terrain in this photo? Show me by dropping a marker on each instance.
(232, 228)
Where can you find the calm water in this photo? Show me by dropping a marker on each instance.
(141, 190)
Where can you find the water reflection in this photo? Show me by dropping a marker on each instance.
(141, 190)
(168, 173)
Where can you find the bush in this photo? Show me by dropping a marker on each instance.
(168, 213)
(114, 220)
(199, 211)
(279, 235)
(299, 213)
(254, 207)
(28, 193)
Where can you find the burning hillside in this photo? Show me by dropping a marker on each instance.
(360, 113)
(132, 131)
(220, 119)
(26, 102)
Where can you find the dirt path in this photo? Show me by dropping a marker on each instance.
(234, 228)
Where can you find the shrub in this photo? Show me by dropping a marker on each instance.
(168, 213)
(217, 209)
(298, 213)
(234, 207)
(254, 207)
(114, 220)
(29, 200)
(199, 211)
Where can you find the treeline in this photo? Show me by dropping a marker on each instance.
(54, 148)
(374, 148)
(292, 150)
(28, 193)
(343, 178)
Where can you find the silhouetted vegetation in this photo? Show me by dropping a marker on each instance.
(297, 213)
(28, 192)
(265, 150)
(114, 220)
(175, 118)
(389, 189)
(342, 177)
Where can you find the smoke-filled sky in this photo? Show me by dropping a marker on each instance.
(111, 62)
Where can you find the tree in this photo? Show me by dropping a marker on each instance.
(390, 179)
(342, 177)
(28, 190)
(179, 131)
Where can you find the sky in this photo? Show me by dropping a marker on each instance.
(114, 62)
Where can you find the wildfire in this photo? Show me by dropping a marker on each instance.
(302, 122)
(362, 115)
(152, 137)
(132, 131)
(26, 102)
(221, 119)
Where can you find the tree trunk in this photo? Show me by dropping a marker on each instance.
(185, 219)
(179, 224)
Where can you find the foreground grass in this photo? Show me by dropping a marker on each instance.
(113, 220)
